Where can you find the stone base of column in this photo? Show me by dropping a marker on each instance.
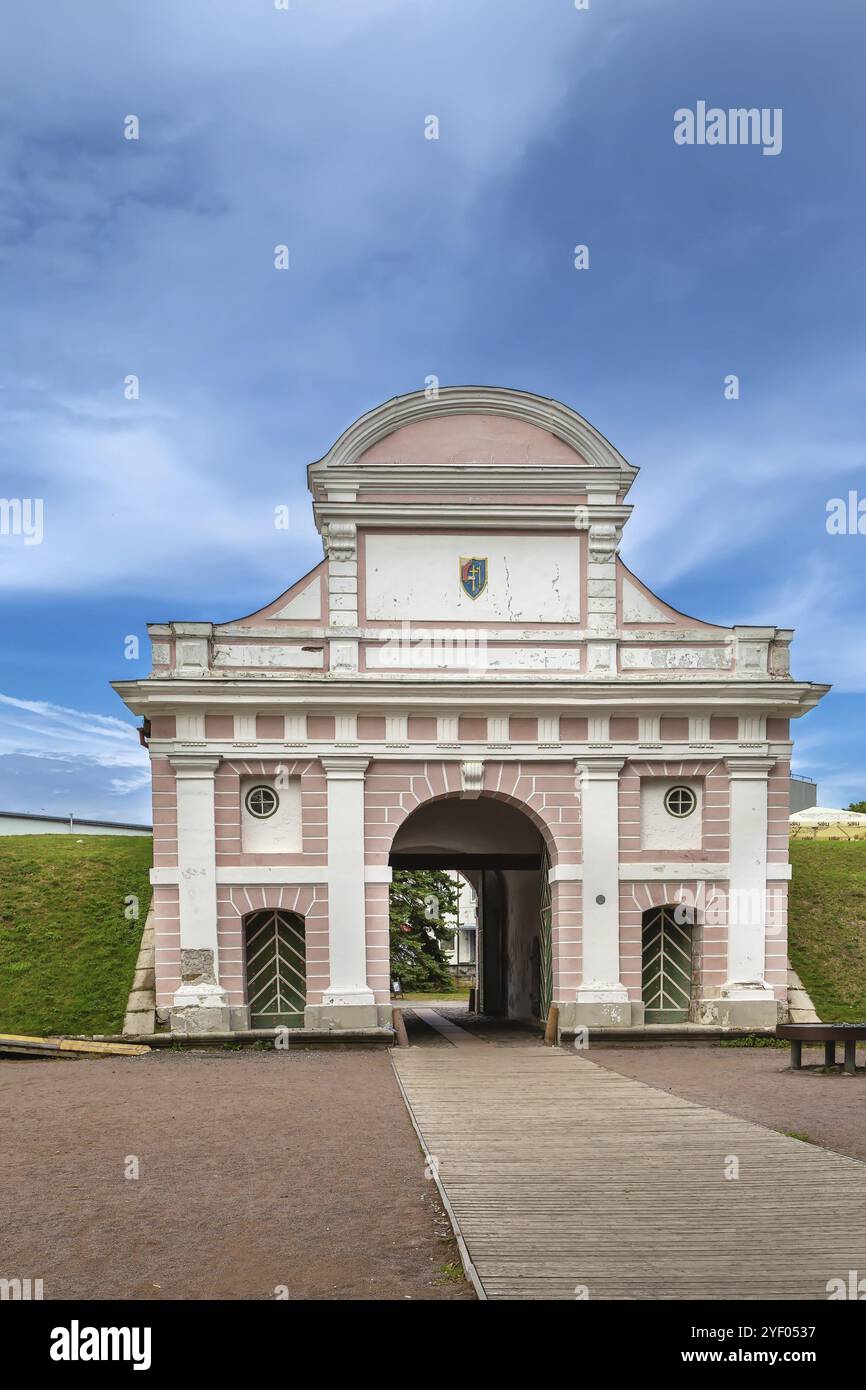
(741, 1006)
(200, 1008)
(340, 1017)
(597, 1013)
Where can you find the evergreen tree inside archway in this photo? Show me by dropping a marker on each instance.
(423, 912)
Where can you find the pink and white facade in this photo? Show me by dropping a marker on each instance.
(537, 710)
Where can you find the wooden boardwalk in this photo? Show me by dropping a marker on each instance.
(567, 1180)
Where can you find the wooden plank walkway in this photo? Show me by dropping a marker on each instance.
(564, 1177)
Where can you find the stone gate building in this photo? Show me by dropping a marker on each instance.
(471, 678)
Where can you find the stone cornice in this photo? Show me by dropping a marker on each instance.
(468, 749)
(499, 479)
(748, 766)
(564, 694)
(347, 766)
(560, 636)
(194, 764)
(599, 767)
(480, 516)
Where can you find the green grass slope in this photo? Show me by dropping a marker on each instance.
(67, 951)
(827, 925)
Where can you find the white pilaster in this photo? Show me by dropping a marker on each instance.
(446, 728)
(200, 990)
(752, 728)
(190, 726)
(603, 542)
(600, 982)
(649, 729)
(341, 539)
(396, 729)
(296, 728)
(599, 728)
(346, 728)
(548, 729)
(341, 545)
(346, 906)
(747, 904)
(699, 728)
(245, 727)
(196, 851)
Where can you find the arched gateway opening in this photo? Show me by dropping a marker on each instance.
(500, 850)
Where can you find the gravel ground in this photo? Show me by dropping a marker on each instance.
(757, 1084)
(257, 1170)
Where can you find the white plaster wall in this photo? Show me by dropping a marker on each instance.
(280, 833)
(659, 829)
(450, 649)
(15, 825)
(675, 658)
(468, 903)
(637, 607)
(257, 654)
(529, 578)
(305, 604)
(468, 917)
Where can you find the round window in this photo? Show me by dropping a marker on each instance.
(680, 801)
(262, 802)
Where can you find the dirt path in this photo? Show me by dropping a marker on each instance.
(257, 1170)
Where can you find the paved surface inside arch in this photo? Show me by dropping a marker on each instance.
(568, 1180)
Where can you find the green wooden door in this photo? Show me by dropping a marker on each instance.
(276, 969)
(667, 966)
(545, 998)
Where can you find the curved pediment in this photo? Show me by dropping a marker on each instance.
(462, 425)
(474, 530)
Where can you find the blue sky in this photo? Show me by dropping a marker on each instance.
(412, 257)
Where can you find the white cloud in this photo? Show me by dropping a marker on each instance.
(38, 728)
(154, 257)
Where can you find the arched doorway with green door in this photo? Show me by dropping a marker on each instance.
(276, 968)
(667, 953)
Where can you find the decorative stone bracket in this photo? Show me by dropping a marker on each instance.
(471, 780)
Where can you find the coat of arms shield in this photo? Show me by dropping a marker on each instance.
(473, 575)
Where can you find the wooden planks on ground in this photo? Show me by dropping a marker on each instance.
(567, 1180)
(19, 1045)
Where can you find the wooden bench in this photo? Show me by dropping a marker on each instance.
(827, 1033)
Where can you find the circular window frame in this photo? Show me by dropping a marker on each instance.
(262, 815)
(681, 790)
